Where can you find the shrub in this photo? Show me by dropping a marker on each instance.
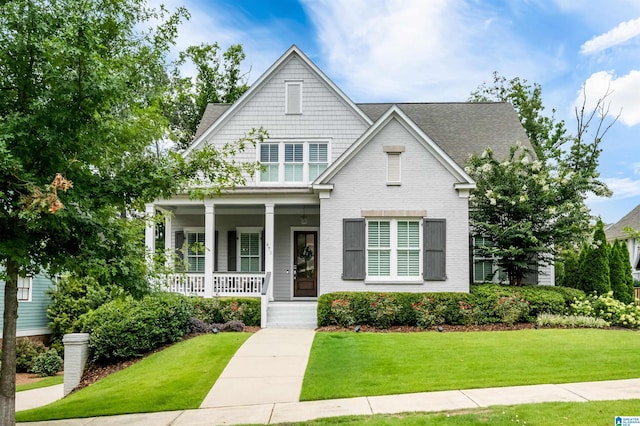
(471, 314)
(570, 321)
(127, 328)
(26, 353)
(594, 266)
(198, 326)
(429, 313)
(47, 363)
(608, 309)
(340, 313)
(383, 310)
(219, 310)
(512, 309)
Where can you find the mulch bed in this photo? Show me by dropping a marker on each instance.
(444, 328)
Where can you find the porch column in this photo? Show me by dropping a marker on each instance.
(150, 232)
(268, 244)
(168, 232)
(209, 239)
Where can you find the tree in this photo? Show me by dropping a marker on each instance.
(594, 268)
(80, 106)
(616, 272)
(575, 157)
(522, 208)
(571, 269)
(627, 274)
(218, 80)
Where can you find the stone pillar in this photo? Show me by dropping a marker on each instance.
(76, 353)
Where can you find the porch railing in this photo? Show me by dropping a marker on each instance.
(224, 284)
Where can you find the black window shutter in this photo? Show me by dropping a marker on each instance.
(353, 251)
(179, 244)
(231, 254)
(263, 248)
(435, 242)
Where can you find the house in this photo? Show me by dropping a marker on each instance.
(32, 307)
(351, 197)
(617, 232)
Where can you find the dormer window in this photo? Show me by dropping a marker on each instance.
(293, 97)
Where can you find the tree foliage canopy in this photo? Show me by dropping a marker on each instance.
(82, 88)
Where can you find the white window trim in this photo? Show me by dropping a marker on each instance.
(286, 96)
(29, 281)
(187, 231)
(248, 230)
(281, 163)
(394, 278)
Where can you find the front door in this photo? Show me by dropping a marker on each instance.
(305, 268)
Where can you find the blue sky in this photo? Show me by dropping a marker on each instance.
(442, 50)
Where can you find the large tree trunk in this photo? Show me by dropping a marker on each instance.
(8, 369)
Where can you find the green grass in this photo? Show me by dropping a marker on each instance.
(358, 364)
(596, 413)
(47, 381)
(178, 377)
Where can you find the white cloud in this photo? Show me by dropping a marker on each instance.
(624, 97)
(622, 188)
(414, 49)
(618, 35)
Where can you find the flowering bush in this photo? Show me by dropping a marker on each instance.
(512, 309)
(429, 313)
(570, 321)
(383, 310)
(341, 312)
(609, 309)
(233, 311)
(471, 314)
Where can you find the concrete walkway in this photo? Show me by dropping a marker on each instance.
(268, 368)
(262, 383)
(38, 397)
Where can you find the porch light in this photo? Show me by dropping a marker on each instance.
(303, 218)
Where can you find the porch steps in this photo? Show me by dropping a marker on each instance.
(292, 314)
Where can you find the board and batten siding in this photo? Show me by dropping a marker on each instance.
(32, 316)
(425, 185)
(324, 115)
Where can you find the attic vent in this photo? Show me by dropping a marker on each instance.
(393, 164)
(293, 100)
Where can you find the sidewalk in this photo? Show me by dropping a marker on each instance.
(262, 383)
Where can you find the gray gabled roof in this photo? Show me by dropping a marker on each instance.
(632, 220)
(462, 128)
(211, 114)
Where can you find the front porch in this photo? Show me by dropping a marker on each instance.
(238, 246)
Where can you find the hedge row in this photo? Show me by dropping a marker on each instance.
(485, 304)
(221, 310)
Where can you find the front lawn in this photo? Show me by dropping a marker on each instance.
(593, 413)
(47, 381)
(176, 378)
(344, 364)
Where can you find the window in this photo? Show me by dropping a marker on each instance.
(394, 249)
(293, 99)
(484, 265)
(318, 160)
(270, 160)
(250, 249)
(293, 161)
(24, 289)
(195, 252)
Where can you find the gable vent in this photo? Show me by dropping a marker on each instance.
(293, 101)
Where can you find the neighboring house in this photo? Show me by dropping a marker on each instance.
(352, 197)
(32, 306)
(617, 232)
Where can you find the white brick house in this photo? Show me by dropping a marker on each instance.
(352, 197)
